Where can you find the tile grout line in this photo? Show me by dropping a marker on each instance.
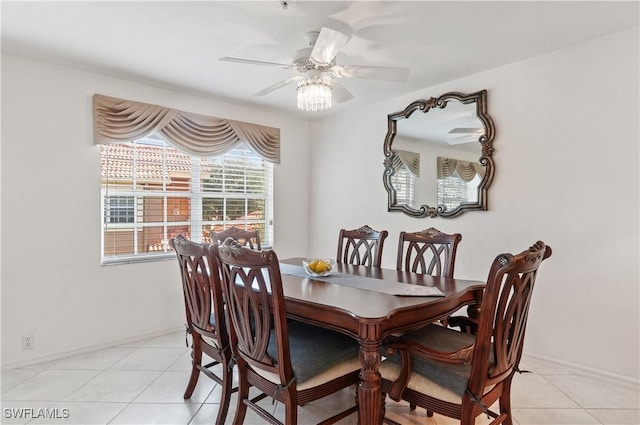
(567, 395)
(150, 383)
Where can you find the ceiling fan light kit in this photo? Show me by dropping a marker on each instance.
(314, 93)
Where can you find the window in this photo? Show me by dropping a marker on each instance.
(453, 191)
(404, 182)
(151, 192)
(119, 209)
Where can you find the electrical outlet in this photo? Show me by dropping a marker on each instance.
(27, 342)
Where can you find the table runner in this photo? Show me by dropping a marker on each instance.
(366, 283)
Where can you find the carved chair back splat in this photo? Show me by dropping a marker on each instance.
(250, 238)
(362, 246)
(429, 251)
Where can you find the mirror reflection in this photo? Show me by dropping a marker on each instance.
(438, 156)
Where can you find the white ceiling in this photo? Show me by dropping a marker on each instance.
(177, 45)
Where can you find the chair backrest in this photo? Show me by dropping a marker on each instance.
(252, 284)
(503, 316)
(428, 251)
(362, 246)
(202, 289)
(250, 238)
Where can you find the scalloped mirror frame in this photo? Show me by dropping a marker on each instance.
(486, 158)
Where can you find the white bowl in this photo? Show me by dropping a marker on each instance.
(318, 267)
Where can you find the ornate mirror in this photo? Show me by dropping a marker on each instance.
(438, 156)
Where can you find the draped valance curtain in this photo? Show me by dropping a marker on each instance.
(464, 169)
(411, 160)
(117, 120)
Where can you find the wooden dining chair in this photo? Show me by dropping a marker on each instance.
(361, 247)
(250, 238)
(292, 362)
(460, 375)
(205, 318)
(428, 251)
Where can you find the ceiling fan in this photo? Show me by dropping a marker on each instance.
(318, 72)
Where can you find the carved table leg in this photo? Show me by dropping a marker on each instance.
(370, 400)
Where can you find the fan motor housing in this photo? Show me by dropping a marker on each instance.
(303, 62)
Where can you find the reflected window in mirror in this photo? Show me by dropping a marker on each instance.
(458, 182)
(405, 184)
(406, 166)
(451, 136)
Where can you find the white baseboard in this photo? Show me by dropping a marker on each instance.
(599, 375)
(87, 349)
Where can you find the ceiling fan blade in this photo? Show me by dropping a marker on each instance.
(327, 45)
(388, 73)
(276, 86)
(466, 130)
(252, 62)
(339, 93)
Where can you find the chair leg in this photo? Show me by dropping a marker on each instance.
(196, 360)
(412, 406)
(243, 394)
(225, 399)
(505, 403)
(467, 413)
(290, 408)
(429, 413)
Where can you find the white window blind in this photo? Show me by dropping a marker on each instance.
(404, 182)
(453, 191)
(151, 192)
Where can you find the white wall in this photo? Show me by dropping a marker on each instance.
(565, 122)
(52, 283)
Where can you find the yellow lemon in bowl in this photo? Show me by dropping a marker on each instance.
(318, 267)
(322, 267)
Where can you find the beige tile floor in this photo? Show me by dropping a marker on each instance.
(143, 383)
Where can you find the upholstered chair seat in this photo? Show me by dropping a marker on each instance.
(317, 355)
(443, 381)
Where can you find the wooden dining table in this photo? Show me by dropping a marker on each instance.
(339, 302)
